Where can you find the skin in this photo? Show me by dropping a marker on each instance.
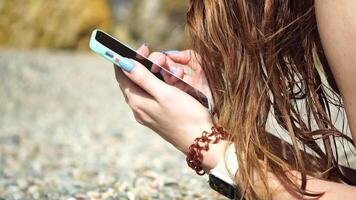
(151, 101)
(337, 26)
(164, 110)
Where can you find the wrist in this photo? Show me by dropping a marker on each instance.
(212, 157)
(191, 133)
(205, 151)
(207, 155)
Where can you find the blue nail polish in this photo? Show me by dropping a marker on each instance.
(126, 64)
(170, 52)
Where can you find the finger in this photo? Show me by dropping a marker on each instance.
(173, 67)
(159, 66)
(174, 71)
(155, 68)
(120, 76)
(186, 57)
(142, 77)
(143, 50)
(123, 81)
(170, 78)
(177, 74)
(169, 64)
(153, 57)
(135, 96)
(178, 71)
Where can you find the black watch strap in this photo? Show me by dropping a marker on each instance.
(224, 188)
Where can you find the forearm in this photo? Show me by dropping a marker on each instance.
(330, 190)
(211, 158)
(337, 27)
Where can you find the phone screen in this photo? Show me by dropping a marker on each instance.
(127, 52)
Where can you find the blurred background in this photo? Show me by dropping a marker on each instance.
(65, 129)
(66, 24)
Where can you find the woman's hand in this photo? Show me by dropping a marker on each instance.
(165, 109)
(170, 112)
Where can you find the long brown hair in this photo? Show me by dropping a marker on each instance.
(265, 58)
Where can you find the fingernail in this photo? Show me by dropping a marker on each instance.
(126, 64)
(173, 69)
(170, 52)
(143, 45)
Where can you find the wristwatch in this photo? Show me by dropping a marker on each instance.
(220, 178)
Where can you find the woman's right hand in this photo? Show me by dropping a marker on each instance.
(163, 107)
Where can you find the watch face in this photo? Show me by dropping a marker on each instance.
(223, 188)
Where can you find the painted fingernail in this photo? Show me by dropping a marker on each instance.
(126, 64)
(170, 52)
(173, 69)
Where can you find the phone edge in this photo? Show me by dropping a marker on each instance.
(100, 49)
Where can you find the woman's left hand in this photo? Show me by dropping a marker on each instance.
(170, 112)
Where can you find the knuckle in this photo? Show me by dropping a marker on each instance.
(141, 118)
(164, 97)
(138, 119)
(132, 104)
(135, 105)
(118, 75)
(157, 57)
(140, 78)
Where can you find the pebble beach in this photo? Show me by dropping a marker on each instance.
(67, 133)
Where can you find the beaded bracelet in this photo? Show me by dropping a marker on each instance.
(195, 157)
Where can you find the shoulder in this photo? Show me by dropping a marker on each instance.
(336, 22)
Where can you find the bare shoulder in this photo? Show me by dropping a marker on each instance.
(337, 26)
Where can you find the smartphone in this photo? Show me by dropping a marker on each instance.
(113, 50)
